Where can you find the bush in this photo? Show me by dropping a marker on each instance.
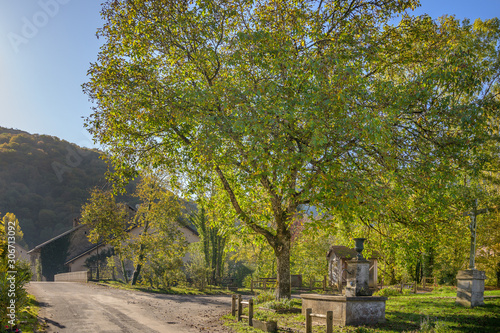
(247, 281)
(406, 292)
(22, 277)
(196, 270)
(428, 325)
(264, 316)
(282, 304)
(264, 296)
(445, 289)
(386, 292)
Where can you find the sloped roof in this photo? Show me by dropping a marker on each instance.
(89, 250)
(39, 247)
(344, 252)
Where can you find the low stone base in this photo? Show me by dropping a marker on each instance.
(358, 310)
(81, 276)
(470, 288)
(266, 326)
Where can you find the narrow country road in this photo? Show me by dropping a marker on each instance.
(79, 307)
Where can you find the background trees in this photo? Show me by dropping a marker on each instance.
(44, 181)
(289, 103)
(213, 244)
(160, 245)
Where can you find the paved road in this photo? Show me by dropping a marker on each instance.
(79, 308)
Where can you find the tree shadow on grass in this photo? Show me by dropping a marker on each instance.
(438, 312)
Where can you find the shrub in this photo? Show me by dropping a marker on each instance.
(407, 292)
(428, 325)
(386, 292)
(22, 277)
(264, 296)
(247, 281)
(445, 289)
(282, 304)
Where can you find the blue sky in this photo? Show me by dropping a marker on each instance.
(46, 47)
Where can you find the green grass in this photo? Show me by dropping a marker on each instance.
(431, 312)
(179, 290)
(28, 317)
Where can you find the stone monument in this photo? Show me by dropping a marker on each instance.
(358, 272)
(470, 288)
(470, 282)
(357, 306)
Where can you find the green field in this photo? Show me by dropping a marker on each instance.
(430, 312)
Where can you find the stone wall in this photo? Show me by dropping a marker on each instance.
(82, 276)
(359, 310)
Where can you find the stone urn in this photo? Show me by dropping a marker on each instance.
(359, 246)
(358, 272)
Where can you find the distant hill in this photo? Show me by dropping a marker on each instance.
(44, 181)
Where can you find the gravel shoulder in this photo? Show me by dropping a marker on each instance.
(80, 307)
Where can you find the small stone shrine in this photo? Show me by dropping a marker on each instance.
(338, 257)
(357, 307)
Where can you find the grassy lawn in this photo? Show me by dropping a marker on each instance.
(178, 290)
(28, 317)
(430, 312)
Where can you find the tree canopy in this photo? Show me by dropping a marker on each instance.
(289, 103)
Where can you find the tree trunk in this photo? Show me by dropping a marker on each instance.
(137, 269)
(220, 254)
(498, 274)
(214, 243)
(418, 268)
(122, 263)
(282, 252)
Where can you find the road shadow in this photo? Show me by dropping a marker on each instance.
(53, 323)
(43, 304)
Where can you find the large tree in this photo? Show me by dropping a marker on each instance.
(291, 103)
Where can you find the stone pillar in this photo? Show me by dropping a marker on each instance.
(470, 287)
(358, 272)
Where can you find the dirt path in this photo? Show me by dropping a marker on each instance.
(78, 307)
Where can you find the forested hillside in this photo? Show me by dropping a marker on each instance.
(44, 181)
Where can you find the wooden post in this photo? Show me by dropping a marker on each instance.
(250, 312)
(423, 282)
(324, 283)
(311, 284)
(240, 308)
(308, 321)
(233, 305)
(329, 321)
(251, 286)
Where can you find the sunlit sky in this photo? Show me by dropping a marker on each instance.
(46, 47)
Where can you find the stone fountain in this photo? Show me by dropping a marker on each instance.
(357, 306)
